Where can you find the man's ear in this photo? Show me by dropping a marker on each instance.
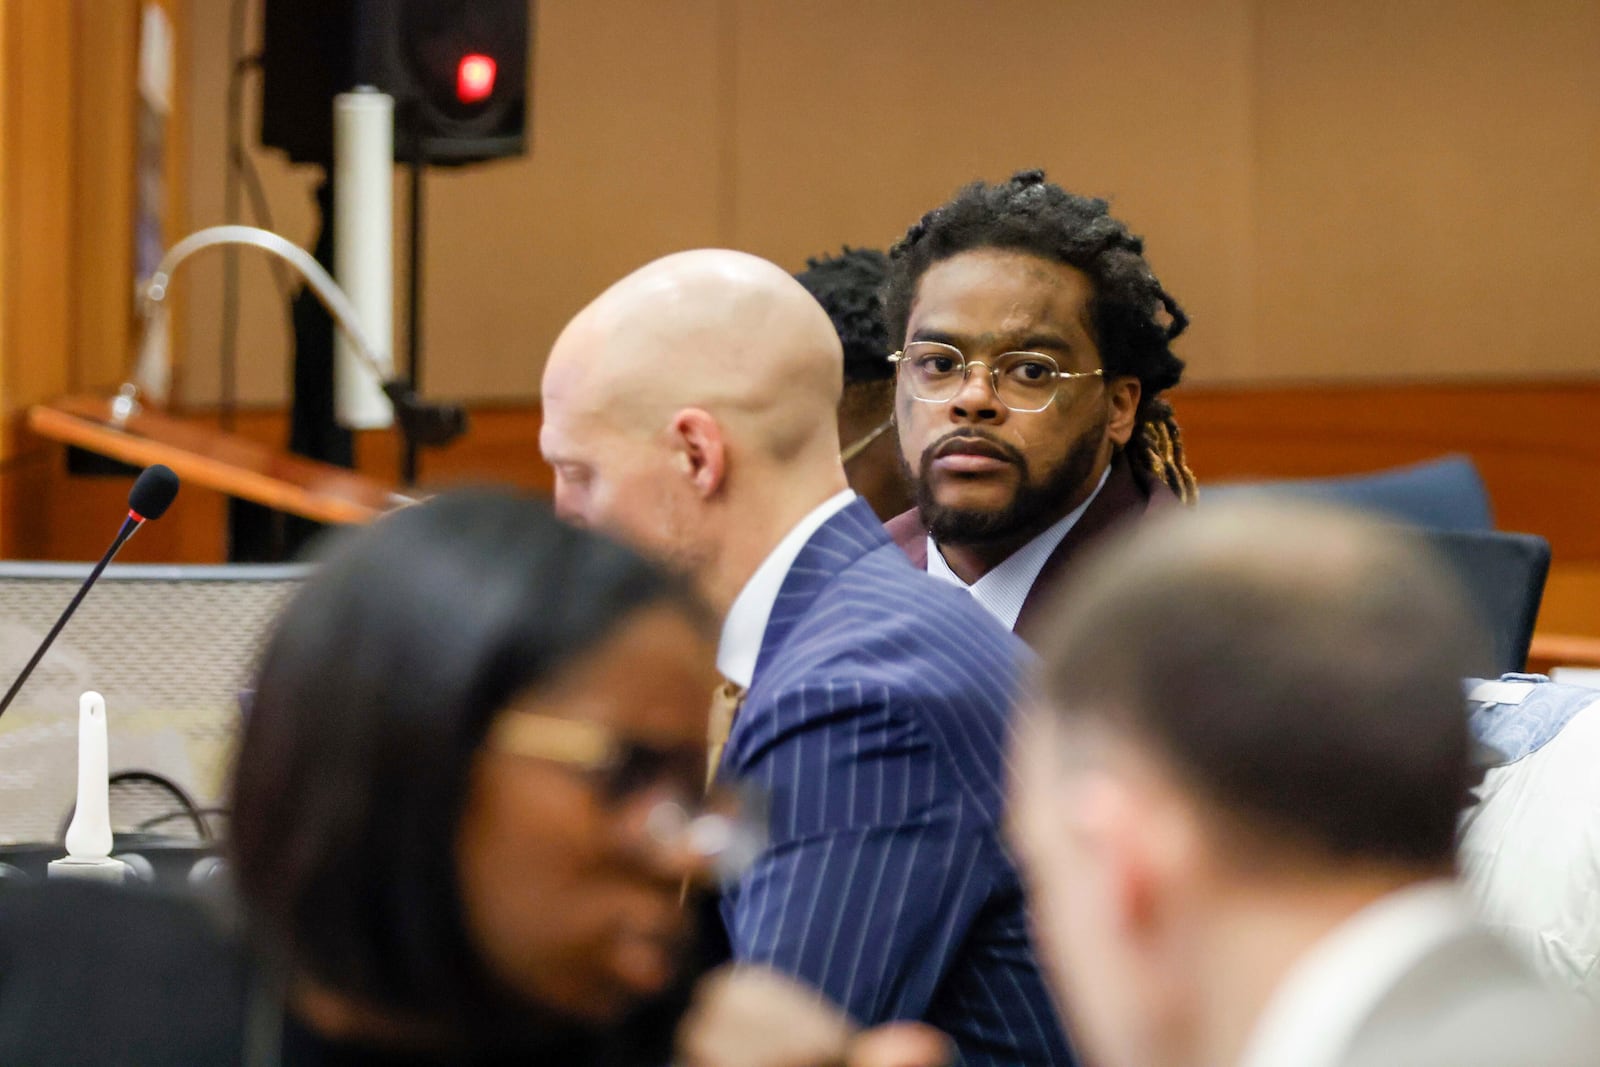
(1123, 394)
(1110, 820)
(698, 450)
(1163, 847)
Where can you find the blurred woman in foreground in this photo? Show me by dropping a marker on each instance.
(460, 804)
(462, 821)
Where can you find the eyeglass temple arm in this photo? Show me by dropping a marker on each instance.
(568, 741)
(860, 444)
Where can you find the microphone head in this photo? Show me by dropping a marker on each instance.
(153, 492)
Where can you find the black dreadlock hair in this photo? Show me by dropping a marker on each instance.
(847, 286)
(1029, 214)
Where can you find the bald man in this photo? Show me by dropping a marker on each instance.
(690, 409)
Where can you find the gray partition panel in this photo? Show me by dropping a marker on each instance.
(168, 646)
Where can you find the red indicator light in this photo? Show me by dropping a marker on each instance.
(475, 78)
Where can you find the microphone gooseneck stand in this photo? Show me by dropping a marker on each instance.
(152, 493)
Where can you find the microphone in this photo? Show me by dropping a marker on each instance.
(89, 837)
(152, 494)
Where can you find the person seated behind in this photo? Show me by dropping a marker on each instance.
(1530, 844)
(847, 286)
(463, 819)
(1235, 800)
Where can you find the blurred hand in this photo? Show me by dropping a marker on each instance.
(747, 1016)
(900, 1045)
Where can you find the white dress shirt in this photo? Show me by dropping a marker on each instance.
(746, 624)
(1003, 590)
(1328, 993)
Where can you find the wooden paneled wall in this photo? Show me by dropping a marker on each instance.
(1361, 191)
(1393, 199)
(68, 105)
(36, 246)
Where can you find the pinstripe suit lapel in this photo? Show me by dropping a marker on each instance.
(846, 537)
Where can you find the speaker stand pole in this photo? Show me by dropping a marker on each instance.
(314, 428)
(408, 447)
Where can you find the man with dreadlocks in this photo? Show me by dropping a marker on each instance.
(1035, 345)
(849, 288)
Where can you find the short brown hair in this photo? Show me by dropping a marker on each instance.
(1298, 667)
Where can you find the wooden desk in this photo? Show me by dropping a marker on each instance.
(216, 460)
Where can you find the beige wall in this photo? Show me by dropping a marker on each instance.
(1372, 190)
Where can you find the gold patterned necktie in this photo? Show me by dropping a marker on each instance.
(725, 701)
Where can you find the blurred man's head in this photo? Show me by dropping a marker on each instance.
(1237, 709)
(1065, 332)
(690, 410)
(848, 286)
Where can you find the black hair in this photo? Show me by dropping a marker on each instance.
(373, 694)
(848, 288)
(1132, 319)
(1299, 669)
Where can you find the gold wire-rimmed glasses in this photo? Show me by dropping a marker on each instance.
(1022, 381)
(619, 767)
(723, 827)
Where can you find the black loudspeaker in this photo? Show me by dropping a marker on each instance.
(457, 69)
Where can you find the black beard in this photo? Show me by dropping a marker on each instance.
(1032, 509)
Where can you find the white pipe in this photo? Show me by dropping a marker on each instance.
(363, 244)
(153, 369)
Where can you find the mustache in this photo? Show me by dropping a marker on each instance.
(975, 442)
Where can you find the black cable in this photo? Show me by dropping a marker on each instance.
(245, 167)
(408, 443)
(186, 807)
(183, 813)
(228, 386)
(239, 168)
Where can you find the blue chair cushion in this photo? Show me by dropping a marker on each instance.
(1441, 494)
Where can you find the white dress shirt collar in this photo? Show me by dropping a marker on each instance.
(746, 624)
(1003, 590)
(1328, 993)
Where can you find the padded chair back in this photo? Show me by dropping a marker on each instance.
(169, 647)
(1441, 494)
(1504, 574)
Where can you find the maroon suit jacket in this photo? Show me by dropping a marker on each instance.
(1121, 498)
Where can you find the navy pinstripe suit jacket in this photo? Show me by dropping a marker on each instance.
(876, 722)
